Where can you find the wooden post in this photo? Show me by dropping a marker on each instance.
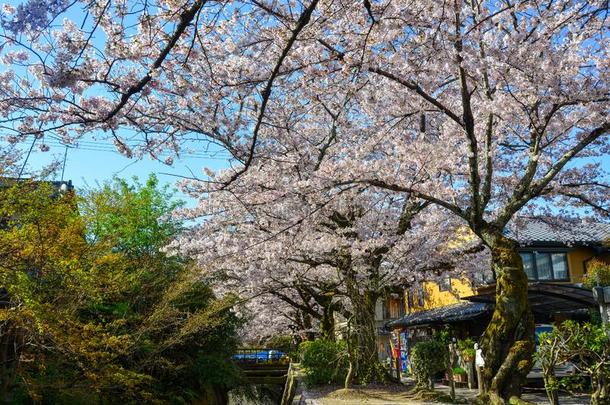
(452, 359)
(471, 381)
(602, 296)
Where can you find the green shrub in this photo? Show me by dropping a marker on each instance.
(444, 335)
(216, 370)
(575, 384)
(459, 371)
(583, 344)
(427, 359)
(466, 349)
(323, 361)
(598, 274)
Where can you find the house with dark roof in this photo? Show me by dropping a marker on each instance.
(555, 258)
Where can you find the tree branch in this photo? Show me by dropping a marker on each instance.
(266, 94)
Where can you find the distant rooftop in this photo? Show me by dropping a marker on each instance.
(61, 185)
(542, 232)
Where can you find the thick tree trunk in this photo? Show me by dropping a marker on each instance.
(508, 342)
(307, 326)
(327, 321)
(368, 367)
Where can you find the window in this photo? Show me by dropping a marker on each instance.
(445, 284)
(560, 266)
(421, 295)
(410, 302)
(545, 266)
(528, 265)
(485, 277)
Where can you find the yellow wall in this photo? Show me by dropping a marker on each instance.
(434, 297)
(576, 259)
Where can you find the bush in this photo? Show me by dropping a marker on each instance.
(459, 371)
(323, 361)
(598, 274)
(466, 349)
(427, 359)
(584, 345)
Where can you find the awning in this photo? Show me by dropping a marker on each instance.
(545, 298)
(464, 311)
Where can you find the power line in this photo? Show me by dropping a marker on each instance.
(63, 169)
(109, 149)
(25, 162)
(107, 145)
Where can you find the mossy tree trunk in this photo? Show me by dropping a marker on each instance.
(307, 325)
(508, 342)
(364, 356)
(327, 322)
(369, 368)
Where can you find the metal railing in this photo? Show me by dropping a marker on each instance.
(258, 355)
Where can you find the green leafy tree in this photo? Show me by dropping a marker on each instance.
(551, 353)
(97, 310)
(589, 349)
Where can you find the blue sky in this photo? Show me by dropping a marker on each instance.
(86, 167)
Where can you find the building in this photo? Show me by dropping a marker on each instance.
(387, 309)
(555, 259)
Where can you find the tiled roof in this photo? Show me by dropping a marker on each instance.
(462, 311)
(530, 232)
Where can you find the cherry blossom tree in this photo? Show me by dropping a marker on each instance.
(482, 108)
(9, 158)
(269, 233)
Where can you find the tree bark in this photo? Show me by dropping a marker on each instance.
(550, 386)
(307, 326)
(327, 323)
(367, 367)
(600, 385)
(508, 342)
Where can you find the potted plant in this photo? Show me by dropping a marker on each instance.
(466, 349)
(459, 375)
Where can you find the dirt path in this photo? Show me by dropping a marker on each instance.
(396, 394)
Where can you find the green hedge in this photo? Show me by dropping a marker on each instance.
(427, 359)
(323, 361)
